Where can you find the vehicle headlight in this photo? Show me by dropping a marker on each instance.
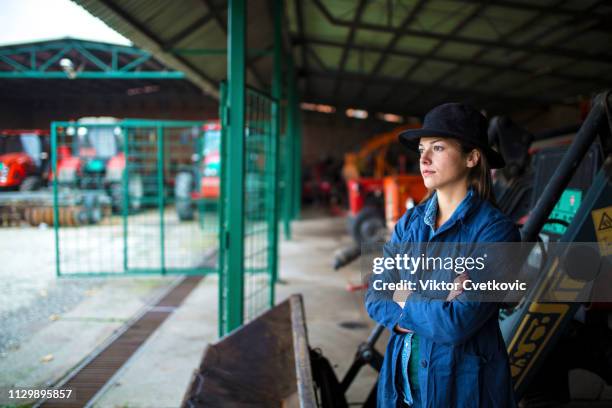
(4, 170)
(114, 175)
(66, 175)
(210, 172)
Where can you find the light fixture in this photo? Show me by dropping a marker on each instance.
(390, 117)
(317, 107)
(68, 67)
(356, 113)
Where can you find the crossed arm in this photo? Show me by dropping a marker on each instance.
(406, 294)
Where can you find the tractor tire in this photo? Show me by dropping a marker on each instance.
(91, 212)
(183, 186)
(135, 194)
(368, 226)
(116, 196)
(30, 183)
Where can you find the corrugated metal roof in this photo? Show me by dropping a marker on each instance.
(392, 55)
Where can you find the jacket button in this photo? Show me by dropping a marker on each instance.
(424, 363)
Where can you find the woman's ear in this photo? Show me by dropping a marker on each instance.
(473, 158)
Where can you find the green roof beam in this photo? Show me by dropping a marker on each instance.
(13, 63)
(52, 60)
(92, 57)
(136, 63)
(93, 75)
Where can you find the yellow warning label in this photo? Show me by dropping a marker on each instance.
(602, 220)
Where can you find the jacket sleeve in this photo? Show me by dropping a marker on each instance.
(456, 321)
(379, 303)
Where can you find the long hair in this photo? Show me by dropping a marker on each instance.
(479, 176)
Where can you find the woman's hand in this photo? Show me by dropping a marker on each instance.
(399, 329)
(459, 284)
(400, 297)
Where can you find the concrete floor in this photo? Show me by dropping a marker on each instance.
(159, 373)
(158, 376)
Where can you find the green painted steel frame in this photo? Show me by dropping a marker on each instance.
(107, 63)
(277, 92)
(231, 309)
(223, 205)
(125, 124)
(232, 223)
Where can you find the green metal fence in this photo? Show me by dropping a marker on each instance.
(259, 210)
(130, 197)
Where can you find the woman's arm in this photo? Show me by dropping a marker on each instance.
(452, 295)
(379, 303)
(454, 321)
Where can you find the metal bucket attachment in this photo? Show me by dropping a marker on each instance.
(264, 363)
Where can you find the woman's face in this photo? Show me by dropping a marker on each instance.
(442, 162)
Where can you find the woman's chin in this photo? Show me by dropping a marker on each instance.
(429, 184)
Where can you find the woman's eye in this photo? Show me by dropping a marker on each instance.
(438, 148)
(420, 152)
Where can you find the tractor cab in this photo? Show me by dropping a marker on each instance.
(96, 144)
(91, 157)
(24, 159)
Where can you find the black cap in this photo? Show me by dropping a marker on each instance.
(458, 121)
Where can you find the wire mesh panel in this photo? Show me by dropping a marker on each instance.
(249, 289)
(259, 198)
(128, 197)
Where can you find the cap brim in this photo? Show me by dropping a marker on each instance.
(410, 139)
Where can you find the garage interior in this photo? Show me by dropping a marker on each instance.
(176, 292)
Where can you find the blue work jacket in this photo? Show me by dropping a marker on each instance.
(463, 357)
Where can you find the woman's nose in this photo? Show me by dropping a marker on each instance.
(425, 156)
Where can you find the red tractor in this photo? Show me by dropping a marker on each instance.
(24, 159)
(90, 157)
(201, 182)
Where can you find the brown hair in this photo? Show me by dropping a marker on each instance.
(479, 176)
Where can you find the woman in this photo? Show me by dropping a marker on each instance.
(445, 351)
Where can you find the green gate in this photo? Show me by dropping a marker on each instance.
(260, 198)
(134, 196)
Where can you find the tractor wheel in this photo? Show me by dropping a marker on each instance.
(116, 195)
(91, 212)
(183, 186)
(368, 226)
(135, 194)
(30, 183)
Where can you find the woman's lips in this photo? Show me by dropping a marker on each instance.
(426, 173)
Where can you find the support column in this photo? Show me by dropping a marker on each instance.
(233, 301)
(277, 81)
(297, 161)
(291, 135)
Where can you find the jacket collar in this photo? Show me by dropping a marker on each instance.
(429, 209)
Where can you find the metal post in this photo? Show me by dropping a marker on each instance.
(277, 83)
(234, 241)
(223, 227)
(297, 162)
(55, 198)
(161, 198)
(124, 202)
(290, 135)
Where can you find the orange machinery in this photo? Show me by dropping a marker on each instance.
(381, 199)
(401, 193)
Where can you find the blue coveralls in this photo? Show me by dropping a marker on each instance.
(464, 362)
